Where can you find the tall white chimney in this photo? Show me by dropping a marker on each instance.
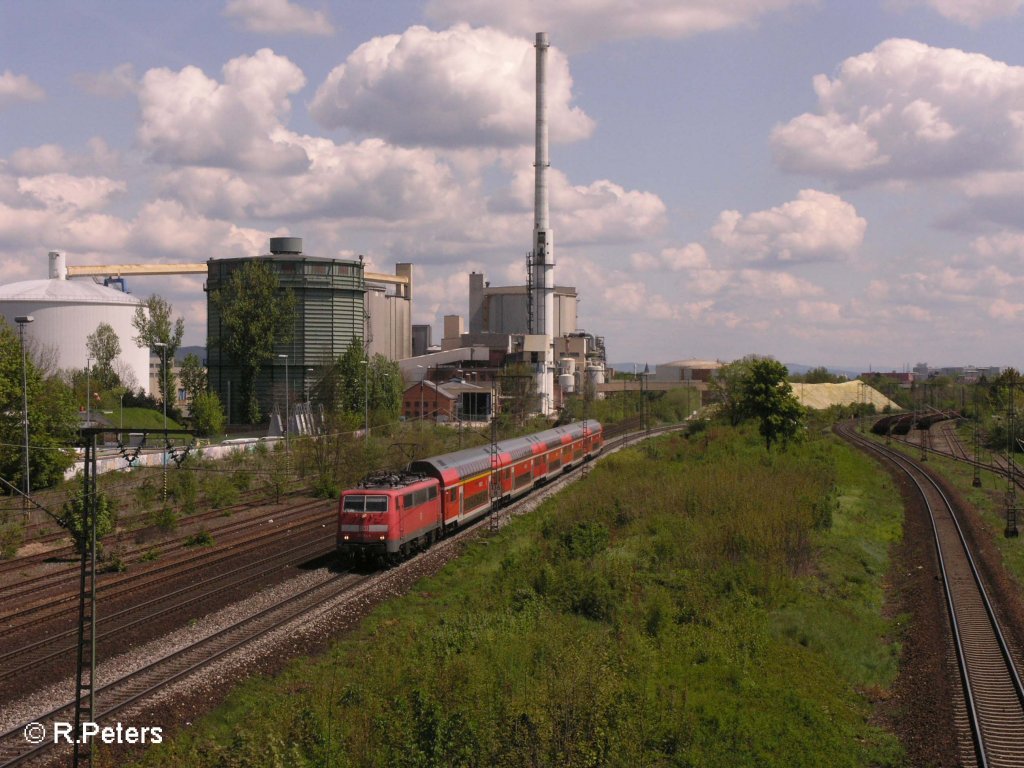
(543, 278)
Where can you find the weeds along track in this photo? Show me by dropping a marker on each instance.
(994, 725)
(135, 523)
(35, 600)
(342, 590)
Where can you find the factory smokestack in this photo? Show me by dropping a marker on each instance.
(542, 279)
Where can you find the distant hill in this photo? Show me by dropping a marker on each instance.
(793, 368)
(184, 351)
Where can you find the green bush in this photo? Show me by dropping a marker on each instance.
(326, 488)
(12, 534)
(201, 538)
(221, 492)
(165, 519)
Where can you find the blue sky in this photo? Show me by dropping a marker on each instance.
(826, 182)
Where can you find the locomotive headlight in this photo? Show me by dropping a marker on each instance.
(382, 538)
(345, 537)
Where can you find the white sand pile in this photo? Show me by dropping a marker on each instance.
(821, 396)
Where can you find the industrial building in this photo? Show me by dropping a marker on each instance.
(506, 309)
(337, 302)
(687, 370)
(66, 312)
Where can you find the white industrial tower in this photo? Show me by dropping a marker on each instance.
(542, 262)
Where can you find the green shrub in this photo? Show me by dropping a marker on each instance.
(165, 519)
(201, 538)
(221, 492)
(12, 534)
(326, 488)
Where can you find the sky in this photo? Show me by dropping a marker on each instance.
(824, 181)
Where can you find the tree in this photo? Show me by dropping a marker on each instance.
(344, 386)
(104, 346)
(72, 517)
(255, 315)
(764, 394)
(819, 375)
(386, 387)
(207, 413)
(52, 417)
(153, 322)
(726, 389)
(192, 375)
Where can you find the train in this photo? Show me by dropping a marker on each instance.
(390, 516)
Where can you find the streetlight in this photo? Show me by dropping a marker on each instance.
(88, 386)
(22, 321)
(163, 358)
(366, 400)
(421, 395)
(286, 418)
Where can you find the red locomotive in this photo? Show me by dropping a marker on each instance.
(390, 516)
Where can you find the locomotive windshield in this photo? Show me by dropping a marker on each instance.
(363, 503)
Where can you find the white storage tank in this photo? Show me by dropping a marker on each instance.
(567, 383)
(596, 375)
(65, 312)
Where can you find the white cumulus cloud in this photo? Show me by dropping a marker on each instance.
(278, 17)
(15, 88)
(460, 87)
(816, 226)
(906, 110)
(62, 190)
(190, 119)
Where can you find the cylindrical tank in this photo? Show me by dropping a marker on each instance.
(66, 312)
(567, 365)
(567, 383)
(596, 375)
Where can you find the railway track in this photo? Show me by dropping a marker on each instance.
(955, 449)
(39, 610)
(62, 644)
(142, 683)
(991, 683)
(133, 524)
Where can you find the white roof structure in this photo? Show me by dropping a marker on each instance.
(58, 290)
(66, 312)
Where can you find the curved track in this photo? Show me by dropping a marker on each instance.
(991, 683)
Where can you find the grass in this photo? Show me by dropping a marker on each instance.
(141, 418)
(692, 605)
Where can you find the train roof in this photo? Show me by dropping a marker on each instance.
(472, 461)
(387, 480)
